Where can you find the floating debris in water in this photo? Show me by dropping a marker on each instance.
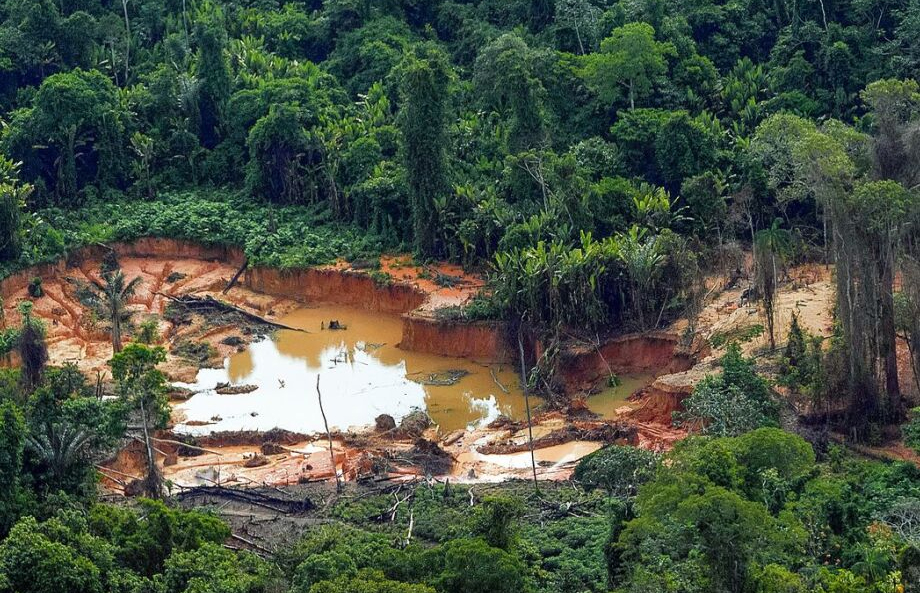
(440, 378)
(369, 346)
(224, 388)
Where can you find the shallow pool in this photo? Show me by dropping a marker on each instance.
(362, 375)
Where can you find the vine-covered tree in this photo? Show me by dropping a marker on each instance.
(424, 77)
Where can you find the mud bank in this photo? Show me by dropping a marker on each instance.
(482, 341)
(583, 367)
(173, 268)
(335, 286)
(406, 290)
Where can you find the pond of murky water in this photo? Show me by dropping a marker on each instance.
(606, 402)
(362, 375)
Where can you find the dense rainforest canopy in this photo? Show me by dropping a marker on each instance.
(596, 158)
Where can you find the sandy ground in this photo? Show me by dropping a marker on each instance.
(447, 285)
(76, 334)
(807, 292)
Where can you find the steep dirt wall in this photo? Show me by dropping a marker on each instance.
(480, 341)
(659, 401)
(331, 286)
(148, 247)
(175, 248)
(583, 368)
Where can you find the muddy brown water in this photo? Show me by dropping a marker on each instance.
(362, 374)
(606, 402)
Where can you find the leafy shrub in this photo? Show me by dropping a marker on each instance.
(801, 368)
(35, 288)
(618, 469)
(148, 332)
(730, 404)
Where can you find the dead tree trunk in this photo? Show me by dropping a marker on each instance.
(533, 459)
(335, 471)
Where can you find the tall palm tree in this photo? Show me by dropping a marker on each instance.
(771, 248)
(110, 298)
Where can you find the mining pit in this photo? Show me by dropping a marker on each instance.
(406, 389)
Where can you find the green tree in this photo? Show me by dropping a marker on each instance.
(213, 74)
(631, 59)
(33, 349)
(38, 558)
(142, 387)
(619, 469)
(772, 247)
(684, 148)
(366, 581)
(424, 76)
(13, 195)
(69, 429)
(279, 156)
(581, 18)
(73, 135)
(12, 442)
(144, 538)
(496, 521)
(730, 404)
(473, 565)
(213, 568)
(506, 82)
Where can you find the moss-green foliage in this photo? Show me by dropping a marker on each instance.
(618, 469)
(785, 515)
(732, 403)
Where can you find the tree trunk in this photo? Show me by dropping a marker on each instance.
(889, 339)
(124, 5)
(116, 334)
(533, 459)
(153, 476)
(335, 471)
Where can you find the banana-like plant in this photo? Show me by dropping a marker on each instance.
(109, 297)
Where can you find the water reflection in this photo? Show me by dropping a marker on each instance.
(363, 374)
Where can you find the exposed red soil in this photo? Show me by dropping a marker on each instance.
(166, 268)
(173, 268)
(582, 367)
(335, 286)
(482, 341)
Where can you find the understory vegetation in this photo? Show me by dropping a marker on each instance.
(760, 512)
(602, 162)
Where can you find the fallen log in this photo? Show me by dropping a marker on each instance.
(249, 496)
(236, 276)
(195, 303)
(181, 444)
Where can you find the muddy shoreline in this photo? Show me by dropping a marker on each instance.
(172, 268)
